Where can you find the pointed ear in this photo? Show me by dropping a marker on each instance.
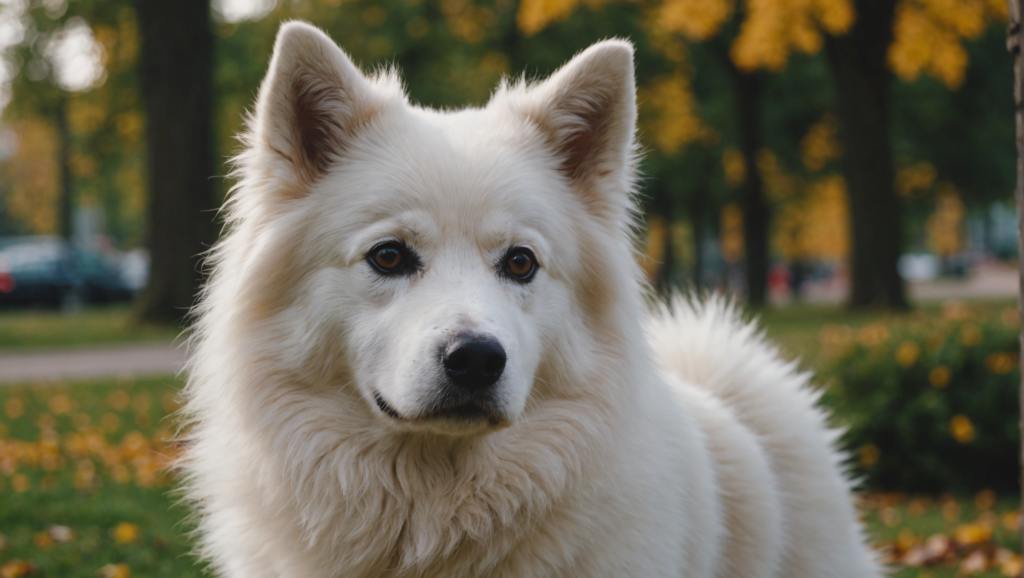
(312, 101)
(587, 111)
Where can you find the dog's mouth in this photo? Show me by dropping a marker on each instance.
(384, 407)
(465, 412)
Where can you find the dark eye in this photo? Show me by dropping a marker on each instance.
(391, 257)
(519, 265)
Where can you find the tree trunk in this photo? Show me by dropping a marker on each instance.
(697, 210)
(756, 212)
(1014, 41)
(176, 61)
(65, 206)
(862, 80)
(666, 208)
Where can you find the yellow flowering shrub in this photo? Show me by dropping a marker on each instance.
(929, 402)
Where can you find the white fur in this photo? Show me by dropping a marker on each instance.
(593, 462)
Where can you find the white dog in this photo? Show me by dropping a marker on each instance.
(422, 353)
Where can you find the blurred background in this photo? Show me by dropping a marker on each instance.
(797, 150)
(844, 167)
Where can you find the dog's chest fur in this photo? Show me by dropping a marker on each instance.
(430, 507)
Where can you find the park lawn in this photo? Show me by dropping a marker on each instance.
(796, 329)
(82, 489)
(83, 495)
(945, 536)
(51, 328)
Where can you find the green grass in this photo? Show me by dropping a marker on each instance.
(104, 439)
(795, 328)
(48, 328)
(97, 475)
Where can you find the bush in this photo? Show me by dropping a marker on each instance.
(930, 404)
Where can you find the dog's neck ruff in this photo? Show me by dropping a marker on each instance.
(404, 503)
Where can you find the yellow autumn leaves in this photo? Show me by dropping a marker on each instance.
(33, 175)
(811, 217)
(123, 533)
(972, 547)
(83, 470)
(87, 449)
(695, 19)
(676, 121)
(535, 15)
(773, 29)
(928, 36)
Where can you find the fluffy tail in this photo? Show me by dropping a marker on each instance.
(708, 344)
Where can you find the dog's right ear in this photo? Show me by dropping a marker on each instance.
(312, 102)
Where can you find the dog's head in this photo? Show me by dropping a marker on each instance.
(443, 259)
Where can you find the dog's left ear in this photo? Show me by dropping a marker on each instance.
(587, 110)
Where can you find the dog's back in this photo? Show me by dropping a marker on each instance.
(738, 377)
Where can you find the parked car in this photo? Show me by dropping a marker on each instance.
(49, 270)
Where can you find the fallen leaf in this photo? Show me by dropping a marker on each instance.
(126, 533)
(16, 568)
(62, 533)
(906, 540)
(971, 534)
(1011, 566)
(114, 571)
(1011, 520)
(975, 563)
(985, 500)
(915, 557)
(937, 545)
(42, 540)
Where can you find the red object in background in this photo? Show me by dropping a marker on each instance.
(778, 278)
(7, 283)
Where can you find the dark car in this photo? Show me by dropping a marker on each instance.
(49, 270)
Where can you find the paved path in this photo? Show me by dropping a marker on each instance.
(987, 281)
(106, 361)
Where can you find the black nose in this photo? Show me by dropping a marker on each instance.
(473, 361)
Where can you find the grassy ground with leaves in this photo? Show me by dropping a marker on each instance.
(82, 485)
(945, 536)
(84, 494)
(51, 328)
(797, 329)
